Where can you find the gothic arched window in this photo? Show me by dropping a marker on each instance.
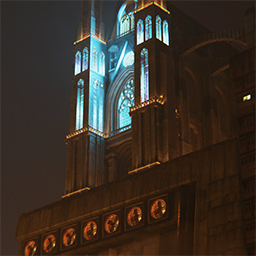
(80, 104)
(126, 100)
(148, 27)
(97, 107)
(158, 28)
(125, 24)
(140, 32)
(85, 59)
(102, 64)
(94, 60)
(77, 63)
(165, 32)
(144, 76)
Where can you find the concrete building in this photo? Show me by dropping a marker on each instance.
(153, 162)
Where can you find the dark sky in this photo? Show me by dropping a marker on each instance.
(36, 58)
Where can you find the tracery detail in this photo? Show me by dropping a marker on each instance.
(126, 101)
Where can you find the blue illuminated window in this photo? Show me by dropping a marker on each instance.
(158, 28)
(148, 27)
(144, 76)
(94, 113)
(102, 64)
(85, 59)
(165, 32)
(140, 32)
(80, 104)
(125, 24)
(77, 63)
(94, 60)
(98, 102)
(132, 20)
(126, 101)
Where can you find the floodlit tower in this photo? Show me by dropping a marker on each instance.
(154, 109)
(85, 143)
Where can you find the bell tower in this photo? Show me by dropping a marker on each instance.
(85, 141)
(154, 128)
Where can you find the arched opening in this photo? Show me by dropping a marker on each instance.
(158, 28)
(144, 76)
(113, 96)
(148, 27)
(165, 32)
(140, 32)
(77, 63)
(80, 104)
(85, 59)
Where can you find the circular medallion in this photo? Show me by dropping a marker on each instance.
(90, 230)
(111, 223)
(134, 216)
(158, 209)
(69, 237)
(30, 248)
(128, 59)
(49, 243)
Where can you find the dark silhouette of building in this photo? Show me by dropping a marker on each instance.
(153, 162)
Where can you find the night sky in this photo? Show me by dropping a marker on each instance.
(36, 54)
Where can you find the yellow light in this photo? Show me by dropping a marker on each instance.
(147, 5)
(247, 97)
(87, 37)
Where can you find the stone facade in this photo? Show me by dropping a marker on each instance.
(164, 177)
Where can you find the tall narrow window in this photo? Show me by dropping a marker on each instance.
(165, 32)
(101, 102)
(95, 112)
(158, 28)
(77, 63)
(126, 101)
(140, 32)
(97, 108)
(144, 76)
(132, 20)
(80, 104)
(125, 24)
(85, 59)
(148, 27)
(102, 64)
(94, 60)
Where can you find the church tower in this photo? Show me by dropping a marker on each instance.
(154, 111)
(85, 146)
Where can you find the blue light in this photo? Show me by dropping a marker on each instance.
(128, 59)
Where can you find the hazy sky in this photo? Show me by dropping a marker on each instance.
(36, 51)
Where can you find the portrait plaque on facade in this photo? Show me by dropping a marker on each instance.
(111, 223)
(158, 208)
(134, 216)
(90, 230)
(49, 243)
(30, 248)
(69, 237)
